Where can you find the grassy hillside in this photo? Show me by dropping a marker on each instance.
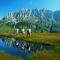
(6, 29)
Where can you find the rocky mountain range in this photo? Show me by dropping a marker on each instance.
(45, 20)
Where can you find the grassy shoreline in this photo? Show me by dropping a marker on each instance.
(35, 37)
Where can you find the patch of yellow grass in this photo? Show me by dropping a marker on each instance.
(45, 55)
(4, 56)
(43, 37)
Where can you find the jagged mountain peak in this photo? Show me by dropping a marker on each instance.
(35, 13)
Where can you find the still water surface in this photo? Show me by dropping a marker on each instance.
(21, 48)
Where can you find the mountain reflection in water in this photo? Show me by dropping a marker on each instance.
(21, 48)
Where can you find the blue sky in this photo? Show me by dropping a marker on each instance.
(15, 5)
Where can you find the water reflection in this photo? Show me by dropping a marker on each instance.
(21, 48)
